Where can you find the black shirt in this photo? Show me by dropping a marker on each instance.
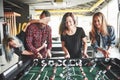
(73, 43)
(22, 37)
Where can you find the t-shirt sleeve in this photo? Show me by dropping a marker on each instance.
(82, 32)
(62, 38)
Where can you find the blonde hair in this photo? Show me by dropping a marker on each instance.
(7, 48)
(103, 29)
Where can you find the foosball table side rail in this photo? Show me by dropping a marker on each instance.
(15, 71)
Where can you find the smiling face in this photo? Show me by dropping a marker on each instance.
(97, 22)
(69, 21)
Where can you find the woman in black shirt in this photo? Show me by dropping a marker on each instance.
(73, 38)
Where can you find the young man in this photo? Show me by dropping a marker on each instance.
(38, 34)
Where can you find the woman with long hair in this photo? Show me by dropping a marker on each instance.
(17, 44)
(12, 44)
(73, 38)
(102, 35)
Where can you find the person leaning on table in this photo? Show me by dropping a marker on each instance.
(73, 38)
(102, 36)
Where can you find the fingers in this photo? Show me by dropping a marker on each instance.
(39, 56)
(86, 56)
(105, 53)
(45, 45)
(67, 56)
(49, 56)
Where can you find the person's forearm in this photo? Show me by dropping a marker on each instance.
(48, 51)
(109, 47)
(85, 51)
(104, 51)
(85, 48)
(43, 20)
(43, 46)
(49, 55)
(33, 50)
(65, 50)
(30, 46)
(100, 49)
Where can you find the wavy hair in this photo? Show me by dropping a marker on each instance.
(103, 29)
(63, 27)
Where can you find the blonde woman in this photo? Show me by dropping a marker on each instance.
(13, 45)
(17, 44)
(102, 35)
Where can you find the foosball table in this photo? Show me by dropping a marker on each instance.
(67, 69)
(73, 69)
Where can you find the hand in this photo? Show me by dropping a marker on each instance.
(39, 56)
(44, 44)
(105, 53)
(67, 56)
(49, 55)
(85, 78)
(85, 55)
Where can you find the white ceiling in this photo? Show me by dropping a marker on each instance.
(51, 4)
(84, 7)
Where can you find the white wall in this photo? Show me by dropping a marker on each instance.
(85, 23)
(111, 13)
(55, 23)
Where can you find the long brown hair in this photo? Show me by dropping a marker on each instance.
(63, 27)
(103, 29)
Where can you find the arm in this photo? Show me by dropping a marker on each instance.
(85, 47)
(49, 43)
(84, 40)
(97, 48)
(26, 52)
(104, 51)
(67, 55)
(111, 41)
(29, 39)
(43, 46)
(111, 37)
(43, 20)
